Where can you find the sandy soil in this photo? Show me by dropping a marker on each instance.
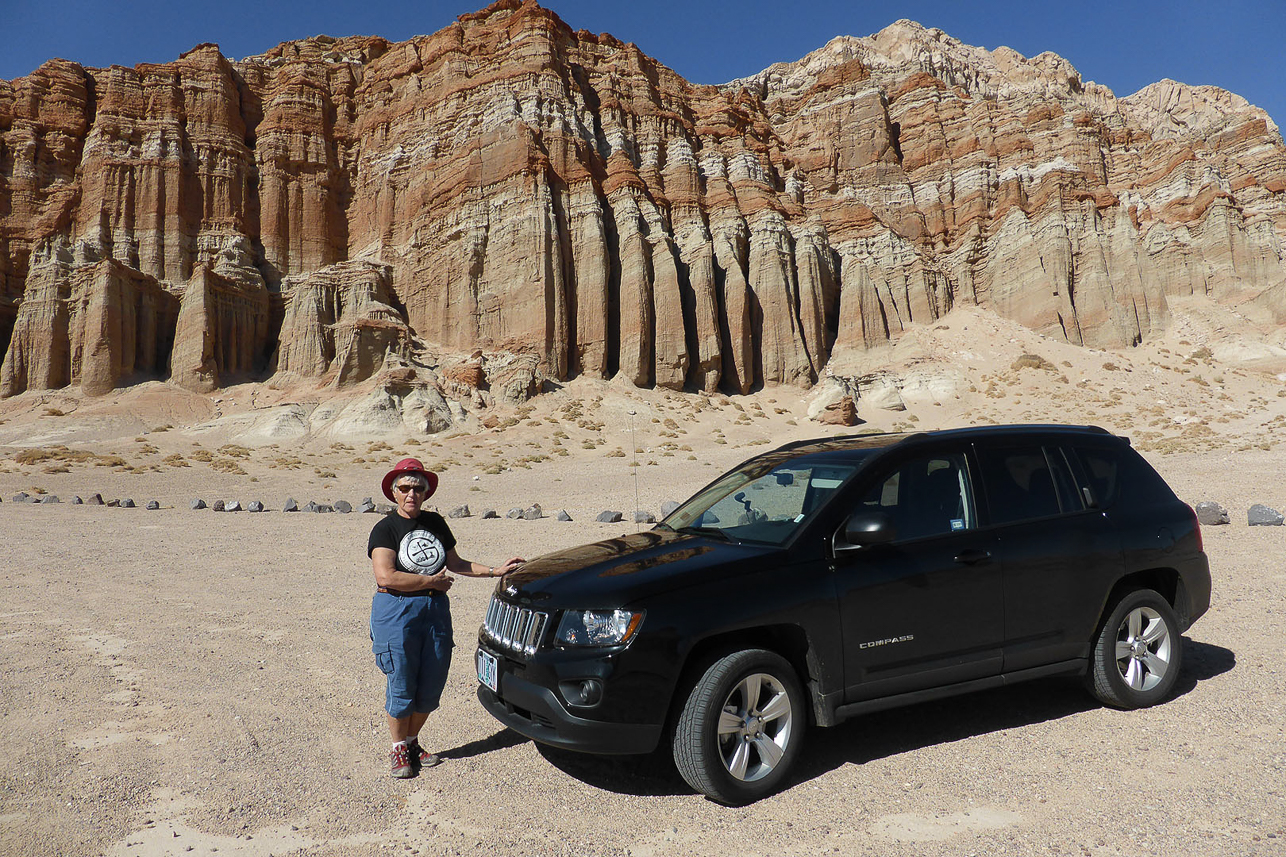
(194, 683)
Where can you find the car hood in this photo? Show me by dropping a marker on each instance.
(616, 572)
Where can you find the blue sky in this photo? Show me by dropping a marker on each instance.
(1239, 45)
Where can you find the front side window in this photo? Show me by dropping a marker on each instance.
(925, 497)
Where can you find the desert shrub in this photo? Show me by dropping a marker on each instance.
(1031, 361)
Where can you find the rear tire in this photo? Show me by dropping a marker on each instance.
(1137, 654)
(741, 727)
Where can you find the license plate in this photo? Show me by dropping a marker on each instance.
(487, 670)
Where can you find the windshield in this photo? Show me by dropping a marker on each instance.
(761, 501)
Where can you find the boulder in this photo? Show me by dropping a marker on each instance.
(1211, 514)
(1260, 515)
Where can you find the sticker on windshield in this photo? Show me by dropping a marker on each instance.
(957, 524)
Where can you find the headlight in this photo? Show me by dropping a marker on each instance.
(598, 627)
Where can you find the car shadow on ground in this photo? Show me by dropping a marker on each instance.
(883, 734)
(889, 733)
(650, 775)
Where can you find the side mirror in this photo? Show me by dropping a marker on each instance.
(865, 529)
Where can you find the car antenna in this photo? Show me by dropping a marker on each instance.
(635, 467)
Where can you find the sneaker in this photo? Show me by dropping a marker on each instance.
(420, 757)
(400, 762)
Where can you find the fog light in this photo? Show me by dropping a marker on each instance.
(585, 692)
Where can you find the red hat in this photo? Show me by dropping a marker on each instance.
(402, 468)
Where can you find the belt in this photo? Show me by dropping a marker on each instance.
(401, 594)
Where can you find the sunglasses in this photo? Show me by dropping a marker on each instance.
(410, 489)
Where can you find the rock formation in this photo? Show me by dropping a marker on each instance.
(566, 205)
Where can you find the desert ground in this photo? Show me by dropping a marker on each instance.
(190, 682)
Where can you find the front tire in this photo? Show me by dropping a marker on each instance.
(1138, 652)
(741, 727)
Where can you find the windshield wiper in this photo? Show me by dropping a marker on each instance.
(713, 532)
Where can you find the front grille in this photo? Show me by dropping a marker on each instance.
(515, 628)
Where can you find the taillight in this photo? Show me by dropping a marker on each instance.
(1196, 528)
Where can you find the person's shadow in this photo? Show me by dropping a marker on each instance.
(883, 734)
(500, 740)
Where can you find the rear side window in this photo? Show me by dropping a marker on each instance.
(1027, 482)
(1119, 475)
(1102, 475)
(925, 497)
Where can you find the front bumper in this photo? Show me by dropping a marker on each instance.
(536, 712)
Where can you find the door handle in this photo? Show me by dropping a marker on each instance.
(972, 557)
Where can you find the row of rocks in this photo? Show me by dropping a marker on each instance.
(1208, 512)
(1212, 514)
(531, 513)
(91, 500)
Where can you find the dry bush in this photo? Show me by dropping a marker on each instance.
(202, 455)
(58, 453)
(176, 460)
(227, 465)
(232, 450)
(1031, 361)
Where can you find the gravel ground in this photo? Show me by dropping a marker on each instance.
(184, 683)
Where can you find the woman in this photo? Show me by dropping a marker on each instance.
(411, 552)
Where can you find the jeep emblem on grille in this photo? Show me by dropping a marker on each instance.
(511, 590)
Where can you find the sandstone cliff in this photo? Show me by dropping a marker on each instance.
(511, 186)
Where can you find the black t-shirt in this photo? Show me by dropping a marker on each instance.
(419, 544)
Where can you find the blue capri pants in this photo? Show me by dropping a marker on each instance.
(412, 641)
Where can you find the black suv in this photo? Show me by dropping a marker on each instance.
(834, 577)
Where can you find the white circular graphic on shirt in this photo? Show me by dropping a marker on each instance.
(421, 552)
